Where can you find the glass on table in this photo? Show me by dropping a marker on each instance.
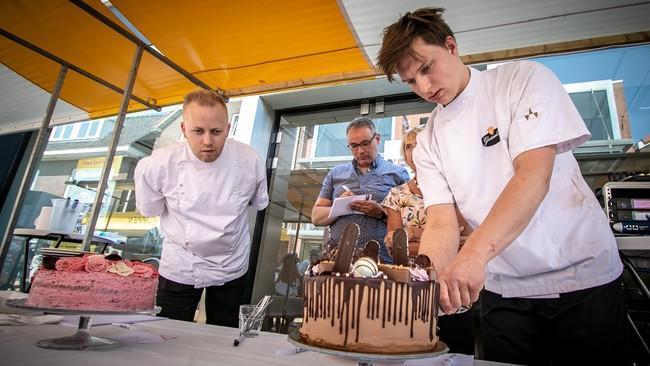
(250, 321)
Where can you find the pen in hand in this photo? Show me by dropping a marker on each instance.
(346, 188)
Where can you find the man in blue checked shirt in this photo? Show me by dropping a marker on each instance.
(368, 173)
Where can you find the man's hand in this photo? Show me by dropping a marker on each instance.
(346, 194)
(461, 282)
(368, 207)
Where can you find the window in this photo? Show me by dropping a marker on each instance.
(331, 139)
(77, 131)
(595, 102)
(233, 124)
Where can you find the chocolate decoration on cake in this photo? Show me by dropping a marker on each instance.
(400, 248)
(372, 250)
(346, 248)
(370, 307)
(418, 303)
(113, 257)
(365, 267)
(422, 261)
(49, 262)
(358, 253)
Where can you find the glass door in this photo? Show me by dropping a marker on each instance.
(311, 143)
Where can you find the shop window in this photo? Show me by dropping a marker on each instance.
(77, 131)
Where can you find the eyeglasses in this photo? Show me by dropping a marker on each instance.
(363, 144)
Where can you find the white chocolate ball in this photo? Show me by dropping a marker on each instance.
(365, 267)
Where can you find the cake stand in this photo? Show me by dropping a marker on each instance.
(366, 359)
(82, 338)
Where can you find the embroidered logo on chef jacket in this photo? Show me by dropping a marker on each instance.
(491, 138)
(531, 114)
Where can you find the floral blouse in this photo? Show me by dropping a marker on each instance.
(408, 204)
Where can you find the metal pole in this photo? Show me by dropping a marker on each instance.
(74, 67)
(128, 35)
(117, 130)
(35, 157)
(293, 267)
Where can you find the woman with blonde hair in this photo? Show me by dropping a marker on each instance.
(404, 205)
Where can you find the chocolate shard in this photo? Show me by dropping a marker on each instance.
(400, 248)
(346, 248)
(358, 253)
(423, 261)
(49, 262)
(371, 250)
(114, 257)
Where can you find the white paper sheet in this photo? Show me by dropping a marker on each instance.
(341, 205)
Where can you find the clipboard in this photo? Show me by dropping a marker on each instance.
(341, 205)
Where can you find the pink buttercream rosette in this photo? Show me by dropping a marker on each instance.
(96, 263)
(125, 261)
(143, 270)
(71, 264)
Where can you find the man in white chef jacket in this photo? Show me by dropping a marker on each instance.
(498, 147)
(202, 189)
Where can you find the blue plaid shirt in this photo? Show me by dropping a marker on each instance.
(377, 181)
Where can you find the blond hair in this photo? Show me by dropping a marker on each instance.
(204, 97)
(409, 134)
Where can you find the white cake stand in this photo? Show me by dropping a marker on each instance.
(366, 359)
(81, 339)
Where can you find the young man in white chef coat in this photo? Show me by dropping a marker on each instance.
(202, 189)
(498, 146)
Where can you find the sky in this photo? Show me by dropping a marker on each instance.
(629, 64)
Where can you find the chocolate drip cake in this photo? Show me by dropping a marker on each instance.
(369, 307)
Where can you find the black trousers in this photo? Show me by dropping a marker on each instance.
(457, 332)
(179, 301)
(585, 327)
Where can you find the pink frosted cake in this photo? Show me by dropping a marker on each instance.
(93, 282)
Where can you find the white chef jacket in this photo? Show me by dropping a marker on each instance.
(203, 210)
(568, 244)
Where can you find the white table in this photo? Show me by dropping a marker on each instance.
(195, 344)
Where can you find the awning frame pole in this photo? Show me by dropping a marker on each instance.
(34, 159)
(115, 139)
(126, 34)
(74, 67)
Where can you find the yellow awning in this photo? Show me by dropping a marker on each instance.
(240, 47)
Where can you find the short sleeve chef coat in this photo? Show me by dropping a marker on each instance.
(568, 244)
(203, 210)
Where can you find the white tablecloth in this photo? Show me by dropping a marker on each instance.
(180, 344)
